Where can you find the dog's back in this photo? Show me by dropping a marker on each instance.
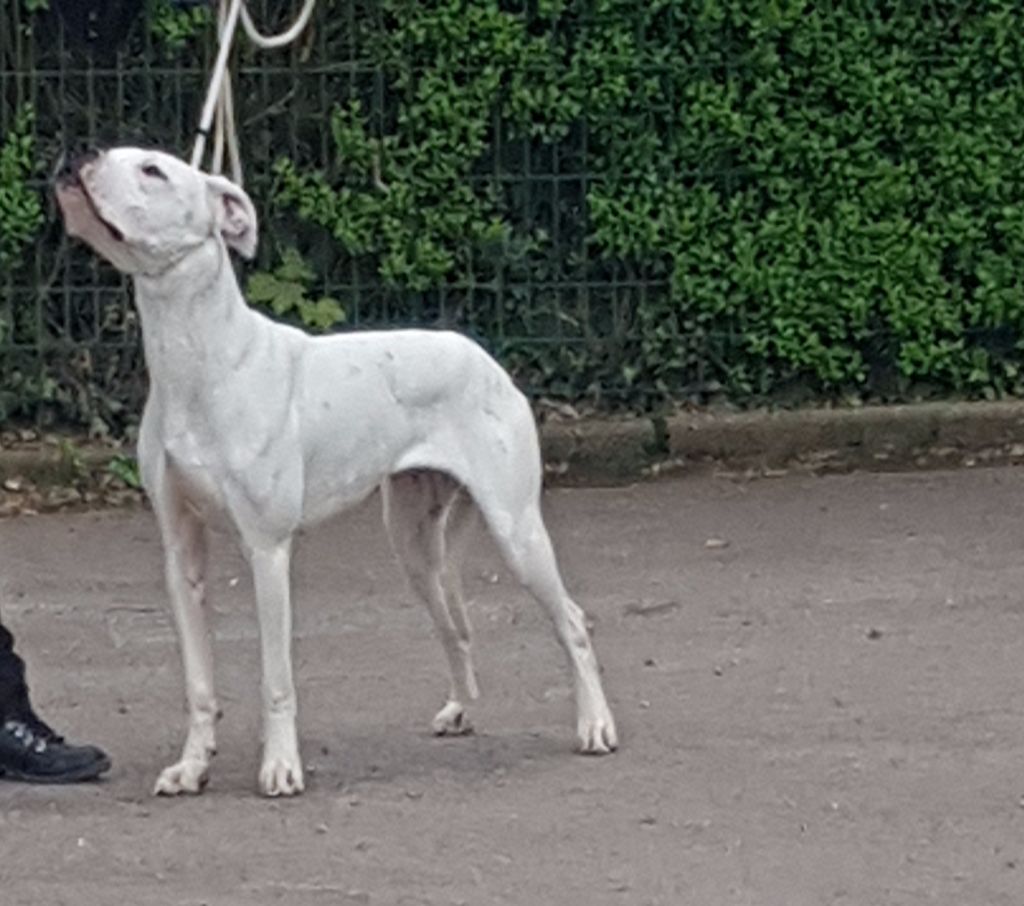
(410, 399)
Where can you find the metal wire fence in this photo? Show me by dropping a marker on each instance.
(70, 335)
(801, 162)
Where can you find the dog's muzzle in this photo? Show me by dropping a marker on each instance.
(69, 167)
(68, 180)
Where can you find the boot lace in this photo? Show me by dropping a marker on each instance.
(32, 738)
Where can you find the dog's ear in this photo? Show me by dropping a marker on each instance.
(234, 215)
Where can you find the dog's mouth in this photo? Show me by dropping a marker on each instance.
(72, 182)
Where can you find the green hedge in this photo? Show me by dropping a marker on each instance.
(633, 204)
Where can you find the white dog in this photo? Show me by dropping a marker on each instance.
(273, 429)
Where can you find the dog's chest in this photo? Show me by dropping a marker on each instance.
(234, 476)
(198, 475)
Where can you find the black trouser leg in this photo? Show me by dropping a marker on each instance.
(13, 689)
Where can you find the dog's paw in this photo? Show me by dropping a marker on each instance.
(281, 777)
(451, 720)
(187, 776)
(597, 736)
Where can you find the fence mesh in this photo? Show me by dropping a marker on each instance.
(71, 335)
(770, 200)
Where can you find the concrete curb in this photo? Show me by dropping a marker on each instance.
(613, 450)
(50, 464)
(926, 435)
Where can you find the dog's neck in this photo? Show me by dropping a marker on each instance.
(194, 320)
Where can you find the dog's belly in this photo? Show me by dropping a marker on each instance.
(341, 471)
(326, 500)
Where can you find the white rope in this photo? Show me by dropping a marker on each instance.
(286, 37)
(219, 99)
(220, 68)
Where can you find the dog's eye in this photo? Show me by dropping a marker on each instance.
(154, 171)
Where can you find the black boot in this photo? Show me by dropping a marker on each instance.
(32, 752)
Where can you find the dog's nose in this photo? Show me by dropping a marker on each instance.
(70, 165)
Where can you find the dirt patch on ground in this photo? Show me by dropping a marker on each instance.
(818, 681)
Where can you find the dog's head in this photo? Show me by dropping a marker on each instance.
(145, 210)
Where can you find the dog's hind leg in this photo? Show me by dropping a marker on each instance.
(184, 538)
(416, 508)
(460, 521)
(526, 548)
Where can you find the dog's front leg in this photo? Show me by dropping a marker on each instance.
(281, 772)
(184, 539)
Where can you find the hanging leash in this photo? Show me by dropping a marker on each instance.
(219, 109)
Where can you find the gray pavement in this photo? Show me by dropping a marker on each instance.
(819, 684)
